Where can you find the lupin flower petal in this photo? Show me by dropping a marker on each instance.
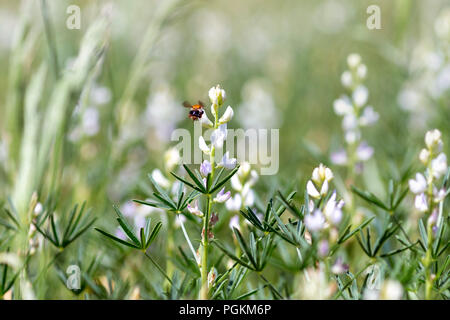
(227, 116)
(203, 146)
(205, 168)
(420, 202)
(222, 196)
(312, 191)
(227, 162)
(315, 221)
(419, 185)
(204, 120)
(439, 165)
(194, 209)
(160, 179)
(219, 135)
(234, 203)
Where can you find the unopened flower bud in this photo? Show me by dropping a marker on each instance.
(217, 95)
(424, 156)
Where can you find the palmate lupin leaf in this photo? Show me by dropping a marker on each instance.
(79, 222)
(197, 183)
(266, 225)
(5, 283)
(395, 197)
(366, 242)
(255, 252)
(141, 241)
(87, 275)
(164, 201)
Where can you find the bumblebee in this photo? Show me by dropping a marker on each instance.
(196, 111)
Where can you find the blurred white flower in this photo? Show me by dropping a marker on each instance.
(339, 157)
(433, 140)
(369, 116)
(163, 112)
(419, 185)
(353, 60)
(160, 179)
(364, 152)
(391, 290)
(333, 209)
(342, 106)
(171, 158)
(439, 165)
(420, 202)
(100, 95)
(361, 71)
(234, 203)
(339, 267)
(234, 222)
(315, 221)
(347, 79)
(258, 110)
(360, 96)
(90, 123)
(424, 156)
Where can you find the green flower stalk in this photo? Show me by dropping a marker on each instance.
(208, 170)
(429, 197)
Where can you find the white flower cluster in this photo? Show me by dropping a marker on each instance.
(355, 111)
(219, 135)
(424, 186)
(323, 217)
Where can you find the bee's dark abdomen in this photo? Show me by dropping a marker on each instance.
(196, 113)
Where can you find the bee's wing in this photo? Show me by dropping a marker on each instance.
(201, 104)
(187, 104)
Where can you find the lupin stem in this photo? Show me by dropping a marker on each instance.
(204, 291)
